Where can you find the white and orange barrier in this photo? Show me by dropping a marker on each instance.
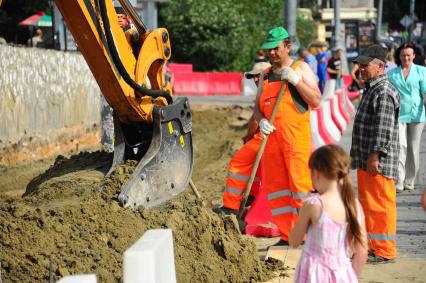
(329, 89)
(332, 118)
(338, 117)
(350, 108)
(329, 124)
(316, 138)
(347, 81)
(342, 108)
(330, 96)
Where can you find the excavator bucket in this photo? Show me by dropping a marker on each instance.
(166, 152)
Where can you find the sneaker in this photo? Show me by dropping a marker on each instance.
(376, 259)
(224, 210)
(409, 189)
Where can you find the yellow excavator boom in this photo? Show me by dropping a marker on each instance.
(84, 20)
(149, 125)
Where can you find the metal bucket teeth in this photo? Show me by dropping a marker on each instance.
(166, 167)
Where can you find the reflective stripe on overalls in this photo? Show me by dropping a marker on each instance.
(378, 199)
(286, 155)
(239, 170)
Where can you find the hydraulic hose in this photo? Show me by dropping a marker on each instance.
(117, 61)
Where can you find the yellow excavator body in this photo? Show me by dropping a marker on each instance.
(149, 125)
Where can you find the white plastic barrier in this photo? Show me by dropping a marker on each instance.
(328, 121)
(340, 119)
(87, 278)
(350, 108)
(316, 139)
(249, 87)
(151, 259)
(329, 89)
(341, 103)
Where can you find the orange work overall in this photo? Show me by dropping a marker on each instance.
(378, 199)
(286, 156)
(239, 170)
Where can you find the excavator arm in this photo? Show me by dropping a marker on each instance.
(85, 21)
(149, 125)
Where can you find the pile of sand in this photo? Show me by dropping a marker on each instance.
(66, 222)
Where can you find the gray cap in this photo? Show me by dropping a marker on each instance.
(374, 51)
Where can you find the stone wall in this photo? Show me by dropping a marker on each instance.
(48, 100)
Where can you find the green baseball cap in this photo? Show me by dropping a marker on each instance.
(274, 38)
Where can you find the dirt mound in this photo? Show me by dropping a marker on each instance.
(63, 219)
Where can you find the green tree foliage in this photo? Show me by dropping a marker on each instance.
(207, 33)
(305, 31)
(223, 34)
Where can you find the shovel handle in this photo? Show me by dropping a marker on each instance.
(194, 189)
(259, 153)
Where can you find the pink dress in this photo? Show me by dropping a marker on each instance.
(325, 256)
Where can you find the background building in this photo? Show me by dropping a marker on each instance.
(357, 27)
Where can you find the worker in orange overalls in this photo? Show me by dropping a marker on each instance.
(288, 148)
(241, 164)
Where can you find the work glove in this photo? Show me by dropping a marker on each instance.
(288, 75)
(265, 127)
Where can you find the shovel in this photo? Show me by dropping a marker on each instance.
(241, 222)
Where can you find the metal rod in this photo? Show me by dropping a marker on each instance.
(290, 11)
(411, 25)
(336, 37)
(379, 19)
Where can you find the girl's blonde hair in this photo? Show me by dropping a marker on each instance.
(333, 163)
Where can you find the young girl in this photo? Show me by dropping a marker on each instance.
(333, 220)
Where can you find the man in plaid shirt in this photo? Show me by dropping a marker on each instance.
(374, 153)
